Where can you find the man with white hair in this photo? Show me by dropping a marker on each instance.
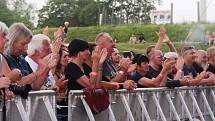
(39, 48)
(201, 60)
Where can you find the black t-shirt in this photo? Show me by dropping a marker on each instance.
(189, 71)
(198, 68)
(136, 77)
(73, 73)
(211, 68)
(88, 70)
(152, 73)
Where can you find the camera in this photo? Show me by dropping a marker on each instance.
(21, 90)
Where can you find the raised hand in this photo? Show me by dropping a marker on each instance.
(58, 33)
(103, 56)
(161, 34)
(168, 63)
(96, 54)
(56, 46)
(179, 64)
(46, 31)
(124, 64)
(53, 61)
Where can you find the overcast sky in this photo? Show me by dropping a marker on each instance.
(184, 10)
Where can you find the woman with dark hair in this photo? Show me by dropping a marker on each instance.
(61, 83)
(77, 75)
(59, 75)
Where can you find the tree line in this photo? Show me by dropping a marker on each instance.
(12, 11)
(89, 12)
(77, 12)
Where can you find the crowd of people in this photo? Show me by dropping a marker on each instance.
(51, 65)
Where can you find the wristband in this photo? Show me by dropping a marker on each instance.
(117, 86)
(121, 72)
(94, 73)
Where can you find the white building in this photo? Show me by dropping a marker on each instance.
(160, 16)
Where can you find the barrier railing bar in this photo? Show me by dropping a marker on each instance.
(28, 107)
(21, 110)
(144, 111)
(196, 105)
(158, 106)
(34, 107)
(49, 108)
(172, 107)
(125, 103)
(111, 115)
(185, 106)
(207, 105)
(88, 110)
(212, 94)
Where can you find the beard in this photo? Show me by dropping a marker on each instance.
(204, 66)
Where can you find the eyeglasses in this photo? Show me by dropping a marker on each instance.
(187, 48)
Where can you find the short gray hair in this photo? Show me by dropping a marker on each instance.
(210, 51)
(101, 35)
(3, 28)
(16, 31)
(36, 43)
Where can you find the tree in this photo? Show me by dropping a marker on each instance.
(86, 12)
(10, 16)
(58, 11)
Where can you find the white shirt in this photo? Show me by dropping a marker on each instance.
(32, 63)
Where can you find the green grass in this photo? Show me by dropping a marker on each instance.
(141, 48)
(122, 33)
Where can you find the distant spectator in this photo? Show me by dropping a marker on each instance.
(133, 39)
(142, 38)
(211, 40)
(65, 29)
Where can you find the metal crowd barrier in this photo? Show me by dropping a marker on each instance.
(40, 106)
(148, 104)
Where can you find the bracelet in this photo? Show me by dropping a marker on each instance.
(121, 72)
(94, 73)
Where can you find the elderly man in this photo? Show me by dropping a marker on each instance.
(39, 48)
(201, 60)
(109, 70)
(189, 71)
(211, 59)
